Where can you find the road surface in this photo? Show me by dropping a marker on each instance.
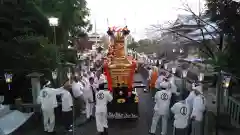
(124, 127)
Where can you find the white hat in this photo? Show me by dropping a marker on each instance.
(199, 89)
(47, 84)
(164, 84)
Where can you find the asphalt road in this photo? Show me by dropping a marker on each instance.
(126, 127)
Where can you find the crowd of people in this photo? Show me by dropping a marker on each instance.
(187, 111)
(83, 94)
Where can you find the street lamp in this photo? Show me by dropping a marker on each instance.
(8, 79)
(166, 66)
(201, 77)
(54, 74)
(174, 50)
(174, 69)
(226, 81)
(181, 51)
(53, 22)
(160, 62)
(223, 82)
(225, 85)
(1, 101)
(184, 73)
(69, 74)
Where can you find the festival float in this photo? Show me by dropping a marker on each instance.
(119, 69)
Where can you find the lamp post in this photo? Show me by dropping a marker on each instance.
(225, 85)
(181, 51)
(160, 63)
(223, 82)
(174, 50)
(166, 66)
(184, 75)
(174, 69)
(54, 22)
(8, 79)
(69, 74)
(54, 76)
(201, 77)
(1, 101)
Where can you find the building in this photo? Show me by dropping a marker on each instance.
(187, 32)
(94, 37)
(82, 43)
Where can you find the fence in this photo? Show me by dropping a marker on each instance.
(233, 109)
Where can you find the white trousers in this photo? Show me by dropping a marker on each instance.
(48, 120)
(89, 109)
(101, 121)
(155, 120)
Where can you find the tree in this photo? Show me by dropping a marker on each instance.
(211, 47)
(73, 23)
(24, 45)
(226, 15)
(133, 45)
(105, 41)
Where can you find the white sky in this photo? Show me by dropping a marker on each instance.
(139, 14)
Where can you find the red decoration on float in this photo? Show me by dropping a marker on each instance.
(131, 78)
(108, 76)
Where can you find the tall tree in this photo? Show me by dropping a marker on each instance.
(24, 46)
(226, 15)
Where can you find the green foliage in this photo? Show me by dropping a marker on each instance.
(133, 45)
(72, 15)
(24, 46)
(226, 15)
(26, 37)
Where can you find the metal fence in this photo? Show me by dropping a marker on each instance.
(233, 109)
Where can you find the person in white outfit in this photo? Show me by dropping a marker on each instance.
(93, 89)
(83, 84)
(77, 95)
(90, 74)
(99, 78)
(159, 80)
(175, 93)
(198, 111)
(150, 70)
(88, 97)
(161, 109)
(173, 85)
(189, 102)
(102, 99)
(181, 112)
(47, 99)
(67, 104)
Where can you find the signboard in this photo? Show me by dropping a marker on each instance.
(121, 115)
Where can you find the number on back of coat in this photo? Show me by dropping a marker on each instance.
(164, 96)
(44, 94)
(100, 96)
(183, 110)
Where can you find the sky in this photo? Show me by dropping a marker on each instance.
(136, 14)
